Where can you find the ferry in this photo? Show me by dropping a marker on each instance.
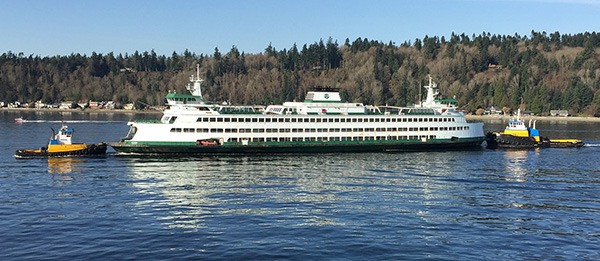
(518, 136)
(321, 123)
(60, 145)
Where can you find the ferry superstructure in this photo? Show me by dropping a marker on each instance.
(321, 123)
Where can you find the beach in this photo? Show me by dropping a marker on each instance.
(534, 118)
(91, 111)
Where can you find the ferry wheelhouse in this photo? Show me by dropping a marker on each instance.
(321, 123)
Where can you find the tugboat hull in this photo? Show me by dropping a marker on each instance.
(70, 151)
(499, 140)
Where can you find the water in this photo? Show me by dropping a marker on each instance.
(487, 204)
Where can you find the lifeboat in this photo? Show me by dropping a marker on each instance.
(60, 146)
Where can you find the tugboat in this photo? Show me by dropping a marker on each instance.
(60, 146)
(518, 136)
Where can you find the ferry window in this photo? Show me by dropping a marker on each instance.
(188, 130)
(254, 120)
(199, 120)
(261, 120)
(248, 120)
(227, 119)
(172, 119)
(175, 129)
(212, 119)
(234, 119)
(219, 119)
(287, 119)
(268, 120)
(213, 130)
(312, 119)
(422, 129)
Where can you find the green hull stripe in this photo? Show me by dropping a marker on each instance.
(300, 144)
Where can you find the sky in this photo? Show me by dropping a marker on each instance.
(63, 27)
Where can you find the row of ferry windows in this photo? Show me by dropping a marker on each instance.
(297, 130)
(289, 119)
(345, 138)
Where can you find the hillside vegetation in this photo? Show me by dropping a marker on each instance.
(540, 72)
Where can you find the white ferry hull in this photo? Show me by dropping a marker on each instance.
(301, 135)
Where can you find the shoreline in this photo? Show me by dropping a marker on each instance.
(89, 111)
(537, 118)
(468, 116)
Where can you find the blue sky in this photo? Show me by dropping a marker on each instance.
(47, 28)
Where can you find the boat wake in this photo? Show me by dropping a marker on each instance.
(592, 145)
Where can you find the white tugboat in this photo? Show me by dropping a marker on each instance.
(321, 123)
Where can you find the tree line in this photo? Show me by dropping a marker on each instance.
(539, 72)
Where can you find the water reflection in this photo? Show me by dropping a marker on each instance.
(293, 190)
(63, 165)
(517, 163)
(194, 190)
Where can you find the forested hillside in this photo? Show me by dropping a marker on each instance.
(538, 72)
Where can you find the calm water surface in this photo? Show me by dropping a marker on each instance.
(483, 204)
